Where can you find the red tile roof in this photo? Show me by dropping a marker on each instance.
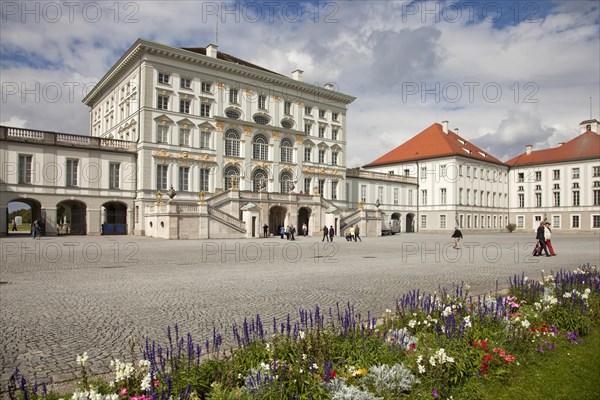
(583, 147)
(434, 143)
(227, 57)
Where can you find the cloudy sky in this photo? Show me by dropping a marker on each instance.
(507, 73)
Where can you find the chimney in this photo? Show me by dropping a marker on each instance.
(297, 75)
(328, 86)
(456, 130)
(528, 149)
(445, 127)
(560, 144)
(211, 50)
(590, 125)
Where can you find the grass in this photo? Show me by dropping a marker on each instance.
(569, 373)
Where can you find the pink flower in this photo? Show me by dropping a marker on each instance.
(510, 358)
(123, 392)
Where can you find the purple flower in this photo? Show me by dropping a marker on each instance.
(435, 394)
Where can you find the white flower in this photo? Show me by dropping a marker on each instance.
(388, 311)
(421, 369)
(468, 323)
(82, 359)
(432, 361)
(412, 323)
(447, 311)
(301, 335)
(304, 356)
(525, 324)
(146, 383)
(315, 366)
(567, 295)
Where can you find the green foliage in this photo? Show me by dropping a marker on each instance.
(511, 227)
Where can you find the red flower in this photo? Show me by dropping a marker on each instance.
(544, 329)
(487, 357)
(476, 343)
(483, 343)
(412, 345)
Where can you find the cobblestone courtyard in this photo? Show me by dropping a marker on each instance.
(60, 296)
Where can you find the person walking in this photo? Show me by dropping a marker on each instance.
(548, 238)
(541, 240)
(357, 233)
(331, 233)
(281, 230)
(14, 225)
(304, 230)
(37, 229)
(325, 233)
(292, 232)
(352, 233)
(265, 230)
(457, 236)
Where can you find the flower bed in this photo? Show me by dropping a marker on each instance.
(427, 348)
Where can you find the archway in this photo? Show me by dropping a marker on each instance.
(277, 216)
(71, 217)
(303, 218)
(395, 223)
(28, 210)
(114, 218)
(410, 223)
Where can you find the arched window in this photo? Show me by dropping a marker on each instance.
(260, 148)
(285, 182)
(259, 180)
(232, 143)
(232, 178)
(286, 150)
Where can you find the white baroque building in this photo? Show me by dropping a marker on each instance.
(195, 143)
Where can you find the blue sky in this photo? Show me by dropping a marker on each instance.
(507, 73)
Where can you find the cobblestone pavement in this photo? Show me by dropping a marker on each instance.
(61, 296)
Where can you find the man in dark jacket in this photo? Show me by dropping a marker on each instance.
(457, 235)
(541, 240)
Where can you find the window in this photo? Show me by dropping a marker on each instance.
(334, 116)
(185, 83)
(410, 197)
(363, 193)
(162, 134)
(595, 221)
(521, 200)
(307, 153)
(163, 78)
(334, 158)
(261, 119)
(113, 175)
(308, 110)
(72, 168)
(321, 131)
(576, 198)
(321, 156)
(556, 186)
(556, 174)
(442, 221)
(307, 128)
(556, 196)
(575, 173)
(262, 101)
(396, 196)
(25, 162)
(184, 137)
(424, 197)
(260, 148)
(232, 178)
(259, 180)
(423, 221)
(443, 171)
(321, 113)
(468, 221)
(184, 106)
(443, 196)
(205, 110)
(460, 196)
(232, 113)
(380, 194)
(206, 87)
(162, 102)
(203, 186)
(307, 182)
(286, 150)
(556, 221)
(285, 182)
(321, 186)
(596, 171)
(334, 134)
(538, 199)
(574, 221)
(576, 185)
(334, 186)
(287, 107)
(520, 221)
(597, 197)
(469, 171)
(538, 176)
(161, 177)
(205, 140)
(521, 176)
(474, 197)
(232, 143)
(407, 172)
(475, 221)
(184, 175)
(233, 96)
